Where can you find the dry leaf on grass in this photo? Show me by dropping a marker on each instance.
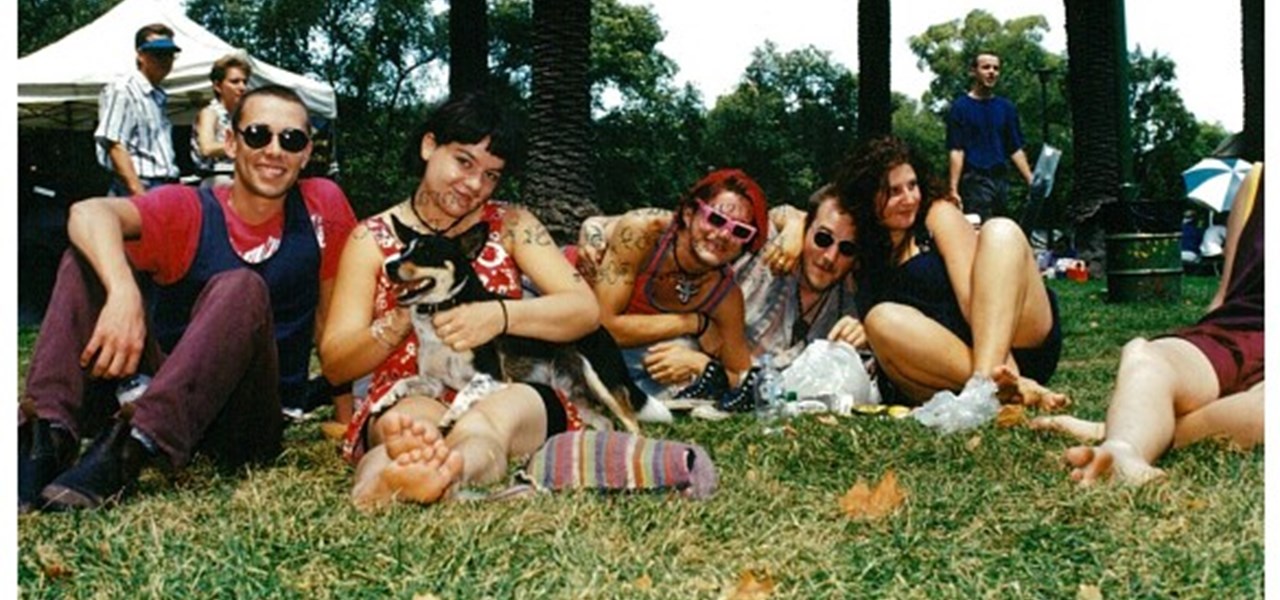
(51, 563)
(1088, 592)
(861, 502)
(973, 443)
(644, 582)
(828, 420)
(751, 586)
(1011, 415)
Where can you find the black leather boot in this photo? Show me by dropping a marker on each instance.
(107, 472)
(44, 452)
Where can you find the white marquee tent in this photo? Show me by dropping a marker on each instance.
(58, 85)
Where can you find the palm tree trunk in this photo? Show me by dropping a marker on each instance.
(1098, 110)
(468, 46)
(558, 187)
(875, 112)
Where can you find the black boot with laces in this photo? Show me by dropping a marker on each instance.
(710, 385)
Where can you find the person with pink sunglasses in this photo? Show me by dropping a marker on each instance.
(665, 281)
(796, 290)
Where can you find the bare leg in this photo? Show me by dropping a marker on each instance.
(1013, 388)
(919, 370)
(1157, 381)
(1009, 306)
(509, 422)
(409, 461)
(1088, 432)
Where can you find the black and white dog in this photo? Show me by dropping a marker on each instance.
(436, 274)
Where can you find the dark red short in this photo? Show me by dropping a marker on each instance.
(1236, 354)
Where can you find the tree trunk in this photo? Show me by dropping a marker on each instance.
(558, 186)
(875, 112)
(1097, 116)
(468, 46)
(1252, 42)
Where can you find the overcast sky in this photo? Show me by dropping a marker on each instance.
(712, 40)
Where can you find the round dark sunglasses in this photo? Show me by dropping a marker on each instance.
(257, 136)
(824, 239)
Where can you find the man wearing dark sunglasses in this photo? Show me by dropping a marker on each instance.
(242, 274)
(795, 289)
(134, 136)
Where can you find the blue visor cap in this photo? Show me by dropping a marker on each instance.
(159, 45)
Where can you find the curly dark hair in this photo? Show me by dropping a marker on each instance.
(861, 181)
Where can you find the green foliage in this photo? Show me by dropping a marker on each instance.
(43, 22)
(788, 123)
(1166, 137)
(648, 150)
(991, 513)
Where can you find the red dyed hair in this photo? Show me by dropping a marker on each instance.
(738, 182)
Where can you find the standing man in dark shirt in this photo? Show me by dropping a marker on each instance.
(983, 134)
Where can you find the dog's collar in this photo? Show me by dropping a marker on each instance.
(452, 301)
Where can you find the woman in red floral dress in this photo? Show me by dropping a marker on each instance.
(463, 151)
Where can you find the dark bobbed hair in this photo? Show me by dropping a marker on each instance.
(273, 90)
(468, 119)
(861, 179)
(729, 180)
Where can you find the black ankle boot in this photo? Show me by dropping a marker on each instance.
(107, 472)
(44, 452)
(742, 398)
(710, 385)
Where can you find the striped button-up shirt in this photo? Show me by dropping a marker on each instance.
(131, 111)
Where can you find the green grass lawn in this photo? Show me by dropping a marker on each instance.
(987, 514)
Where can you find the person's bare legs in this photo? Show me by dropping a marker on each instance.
(1012, 388)
(1238, 418)
(918, 369)
(409, 460)
(1009, 306)
(1157, 381)
(509, 422)
(1089, 432)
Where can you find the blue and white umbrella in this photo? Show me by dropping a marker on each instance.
(1213, 181)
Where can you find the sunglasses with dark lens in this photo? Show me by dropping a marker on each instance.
(257, 136)
(824, 239)
(738, 230)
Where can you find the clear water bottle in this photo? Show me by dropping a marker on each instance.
(768, 399)
(132, 387)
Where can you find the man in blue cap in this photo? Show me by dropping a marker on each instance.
(134, 136)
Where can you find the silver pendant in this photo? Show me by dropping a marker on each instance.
(686, 290)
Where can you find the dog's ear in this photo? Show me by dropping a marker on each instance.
(472, 240)
(404, 232)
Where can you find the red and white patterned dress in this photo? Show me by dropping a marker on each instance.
(498, 272)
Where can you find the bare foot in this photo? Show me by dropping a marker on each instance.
(401, 433)
(1091, 465)
(1012, 388)
(422, 475)
(1088, 432)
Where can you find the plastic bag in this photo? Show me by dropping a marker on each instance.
(950, 413)
(831, 372)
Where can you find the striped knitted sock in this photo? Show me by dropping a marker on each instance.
(617, 461)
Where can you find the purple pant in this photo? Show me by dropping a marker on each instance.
(217, 391)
